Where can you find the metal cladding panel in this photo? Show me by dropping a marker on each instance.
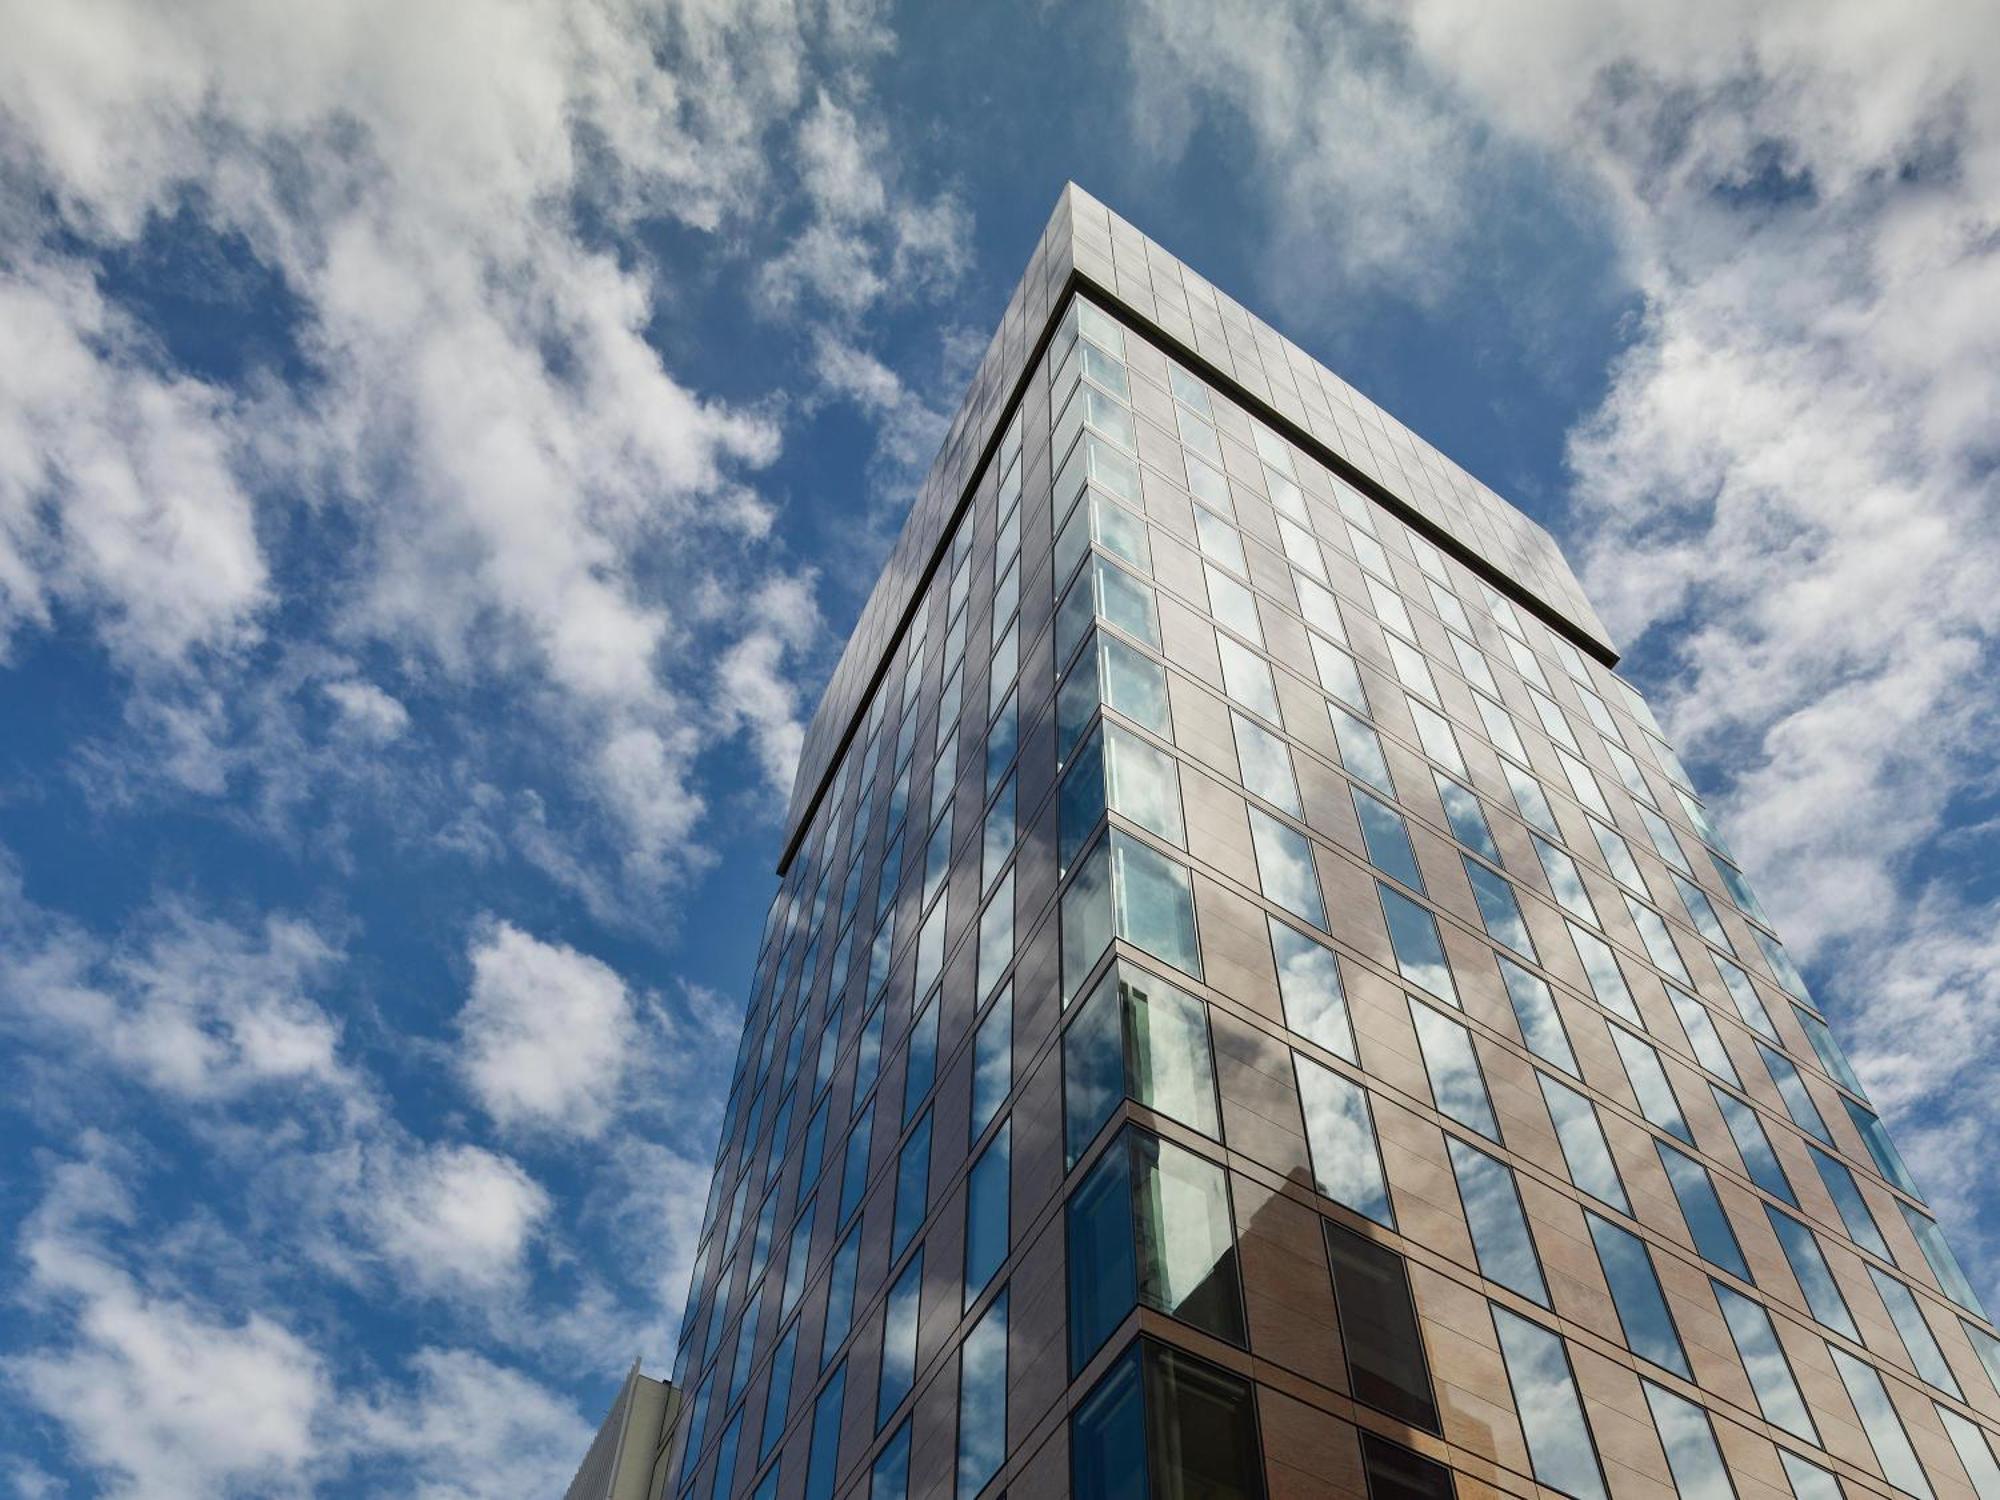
(1088, 245)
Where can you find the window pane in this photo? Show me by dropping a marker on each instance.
(1081, 802)
(1559, 1445)
(993, 1061)
(1387, 840)
(913, 1177)
(1703, 1211)
(1808, 1480)
(1849, 1203)
(1975, 1451)
(987, 1195)
(899, 1340)
(1880, 1422)
(1915, 1333)
(1102, 1258)
(1136, 686)
(1649, 1084)
(1266, 764)
(1498, 909)
(1754, 1146)
(1456, 1082)
(890, 1478)
(778, 1394)
(854, 1175)
(1582, 1141)
(1107, 1450)
(1285, 868)
(1187, 1248)
(1140, 1037)
(1360, 751)
(1247, 678)
(1153, 903)
(1378, 1328)
(1341, 1138)
(1202, 1430)
(1636, 1296)
(1309, 987)
(1944, 1265)
(1702, 1035)
(1467, 818)
(1607, 980)
(840, 1296)
(1540, 1022)
(996, 934)
(1831, 1056)
(1395, 1473)
(1887, 1160)
(1792, 1089)
(1419, 952)
(1692, 1456)
(725, 1459)
(1500, 1237)
(1764, 1360)
(982, 1400)
(921, 1070)
(1086, 918)
(1810, 1269)
(1142, 784)
(823, 1459)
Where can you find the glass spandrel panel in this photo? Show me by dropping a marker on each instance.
(1340, 1134)
(1559, 1443)
(1636, 1296)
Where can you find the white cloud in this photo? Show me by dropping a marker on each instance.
(367, 711)
(471, 1428)
(546, 1034)
(172, 1398)
(455, 1218)
(191, 1005)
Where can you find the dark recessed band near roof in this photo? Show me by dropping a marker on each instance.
(1107, 301)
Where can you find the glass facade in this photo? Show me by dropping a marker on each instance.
(1253, 1005)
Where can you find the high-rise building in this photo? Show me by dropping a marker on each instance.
(1254, 1007)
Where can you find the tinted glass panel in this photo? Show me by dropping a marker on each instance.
(1341, 1137)
(1419, 952)
(1395, 1473)
(899, 1340)
(1309, 986)
(1703, 1211)
(1387, 840)
(1809, 1268)
(1753, 1145)
(1202, 1430)
(1582, 1141)
(1107, 1448)
(1378, 1325)
(986, 1214)
(823, 1458)
(1764, 1360)
(1500, 1237)
(982, 1400)
(1102, 1265)
(1692, 1456)
(1880, 1422)
(1456, 1082)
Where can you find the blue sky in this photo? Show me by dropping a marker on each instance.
(443, 448)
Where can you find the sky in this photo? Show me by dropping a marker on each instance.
(443, 448)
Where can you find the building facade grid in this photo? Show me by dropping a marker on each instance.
(1252, 1010)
